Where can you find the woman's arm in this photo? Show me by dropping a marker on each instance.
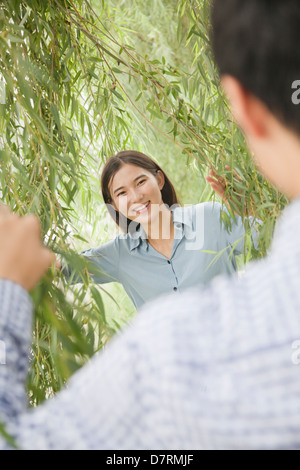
(101, 264)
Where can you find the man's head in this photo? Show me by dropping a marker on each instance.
(256, 44)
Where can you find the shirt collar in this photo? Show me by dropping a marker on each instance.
(137, 238)
(181, 217)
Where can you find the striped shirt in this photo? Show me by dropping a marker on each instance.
(214, 368)
(203, 248)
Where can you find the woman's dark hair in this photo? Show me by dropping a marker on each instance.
(141, 160)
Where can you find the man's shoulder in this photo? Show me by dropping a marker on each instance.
(229, 307)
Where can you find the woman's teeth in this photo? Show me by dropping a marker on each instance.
(144, 207)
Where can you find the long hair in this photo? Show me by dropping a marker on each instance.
(141, 160)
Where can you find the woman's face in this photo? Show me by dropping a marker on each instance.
(136, 193)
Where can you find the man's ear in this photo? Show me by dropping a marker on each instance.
(249, 112)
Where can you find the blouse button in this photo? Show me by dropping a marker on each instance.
(169, 262)
(175, 289)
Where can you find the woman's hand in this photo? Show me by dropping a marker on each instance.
(58, 265)
(220, 186)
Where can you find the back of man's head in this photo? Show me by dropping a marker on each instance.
(258, 43)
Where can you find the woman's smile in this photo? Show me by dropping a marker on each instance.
(142, 209)
(137, 193)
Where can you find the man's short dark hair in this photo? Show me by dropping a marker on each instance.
(258, 43)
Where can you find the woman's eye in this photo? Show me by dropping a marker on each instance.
(121, 194)
(141, 182)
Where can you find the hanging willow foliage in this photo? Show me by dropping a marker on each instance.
(75, 88)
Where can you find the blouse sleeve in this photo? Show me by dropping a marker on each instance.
(103, 264)
(234, 232)
(230, 232)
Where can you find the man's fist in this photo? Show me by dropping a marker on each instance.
(23, 258)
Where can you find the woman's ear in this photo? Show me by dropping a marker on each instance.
(112, 204)
(160, 179)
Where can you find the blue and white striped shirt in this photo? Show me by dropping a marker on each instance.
(214, 368)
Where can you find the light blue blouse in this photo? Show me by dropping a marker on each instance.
(203, 248)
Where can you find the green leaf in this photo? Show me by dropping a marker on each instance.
(7, 437)
(99, 302)
(120, 97)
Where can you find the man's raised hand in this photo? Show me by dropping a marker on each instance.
(23, 258)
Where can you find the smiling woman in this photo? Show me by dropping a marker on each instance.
(137, 193)
(130, 169)
(165, 247)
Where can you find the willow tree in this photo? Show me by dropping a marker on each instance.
(74, 88)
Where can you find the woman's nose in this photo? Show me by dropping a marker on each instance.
(135, 196)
